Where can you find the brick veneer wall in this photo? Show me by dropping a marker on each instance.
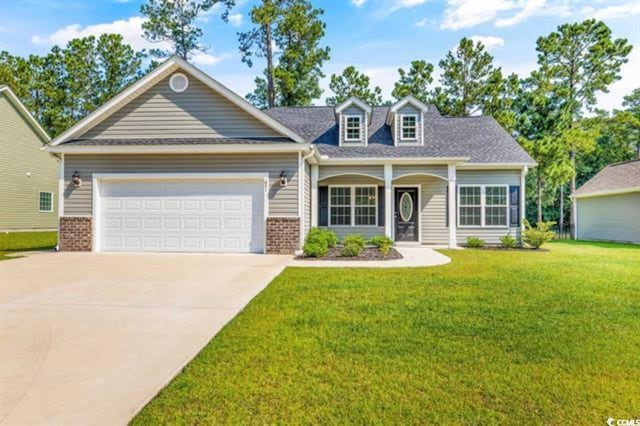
(75, 234)
(283, 235)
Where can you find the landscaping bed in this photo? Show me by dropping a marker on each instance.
(368, 253)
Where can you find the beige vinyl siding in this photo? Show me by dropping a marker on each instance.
(353, 110)
(307, 198)
(20, 154)
(197, 112)
(283, 201)
(487, 177)
(399, 171)
(610, 218)
(433, 208)
(408, 110)
(352, 171)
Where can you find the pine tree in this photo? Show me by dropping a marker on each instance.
(353, 83)
(415, 82)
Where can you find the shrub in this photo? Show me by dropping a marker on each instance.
(315, 249)
(507, 241)
(535, 237)
(351, 249)
(383, 243)
(475, 242)
(318, 242)
(354, 239)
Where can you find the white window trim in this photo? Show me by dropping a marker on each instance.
(400, 119)
(346, 128)
(39, 204)
(352, 206)
(483, 205)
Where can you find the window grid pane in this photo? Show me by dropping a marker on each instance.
(408, 127)
(470, 216)
(495, 212)
(365, 210)
(45, 201)
(341, 206)
(353, 127)
(470, 196)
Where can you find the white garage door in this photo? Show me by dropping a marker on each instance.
(176, 216)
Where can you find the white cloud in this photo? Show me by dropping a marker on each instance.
(358, 3)
(422, 23)
(613, 12)
(236, 19)
(468, 13)
(131, 32)
(623, 87)
(530, 8)
(402, 4)
(489, 41)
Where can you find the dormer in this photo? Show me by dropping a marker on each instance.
(405, 120)
(353, 116)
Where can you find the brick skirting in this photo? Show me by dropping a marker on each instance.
(75, 234)
(283, 235)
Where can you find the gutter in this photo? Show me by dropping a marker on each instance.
(177, 149)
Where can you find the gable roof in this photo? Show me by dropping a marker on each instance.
(353, 100)
(480, 139)
(25, 113)
(163, 70)
(614, 179)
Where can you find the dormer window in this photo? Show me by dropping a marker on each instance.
(409, 127)
(353, 128)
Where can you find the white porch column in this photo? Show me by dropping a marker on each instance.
(388, 214)
(314, 195)
(523, 198)
(452, 206)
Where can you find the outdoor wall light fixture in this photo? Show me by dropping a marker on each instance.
(76, 179)
(283, 178)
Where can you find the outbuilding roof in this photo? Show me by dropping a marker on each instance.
(615, 178)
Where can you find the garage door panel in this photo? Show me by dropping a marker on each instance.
(185, 216)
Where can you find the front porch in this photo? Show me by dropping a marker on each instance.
(408, 203)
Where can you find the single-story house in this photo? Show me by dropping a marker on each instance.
(609, 204)
(28, 174)
(178, 162)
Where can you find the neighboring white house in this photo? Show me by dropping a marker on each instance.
(609, 204)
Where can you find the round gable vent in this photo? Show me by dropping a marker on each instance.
(178, 82)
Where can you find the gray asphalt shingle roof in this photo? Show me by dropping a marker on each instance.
(480, 138)
(613, 177)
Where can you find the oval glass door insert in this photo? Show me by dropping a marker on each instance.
(406, 207)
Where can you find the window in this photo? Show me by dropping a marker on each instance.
(46, 201)
(483, 205)
(409, 124)
(495, 206)
(353, 205)
(353, 128)
(470, 206)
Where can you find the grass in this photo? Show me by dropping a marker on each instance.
(23, 241)
(494, 337)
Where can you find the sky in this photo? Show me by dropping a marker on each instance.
(376, 36)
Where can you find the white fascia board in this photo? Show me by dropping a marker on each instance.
(160, 72)
(25, 112)
(391, 160)
(353, 100)
(180, 176)
(176, 149)
(610, 192)
(495, 166)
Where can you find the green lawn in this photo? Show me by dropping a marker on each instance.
(22, 241)
(493, 337)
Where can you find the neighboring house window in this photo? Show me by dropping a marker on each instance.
(353, 205)
(46, 201)
(353, 129)
(495, 206)
(483, 205)
(409, 124)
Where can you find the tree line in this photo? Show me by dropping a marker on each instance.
(552, 112)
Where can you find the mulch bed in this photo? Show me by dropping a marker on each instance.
(369, 253)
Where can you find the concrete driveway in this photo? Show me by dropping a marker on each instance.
(90, 338)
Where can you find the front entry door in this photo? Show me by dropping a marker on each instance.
(406, 214)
